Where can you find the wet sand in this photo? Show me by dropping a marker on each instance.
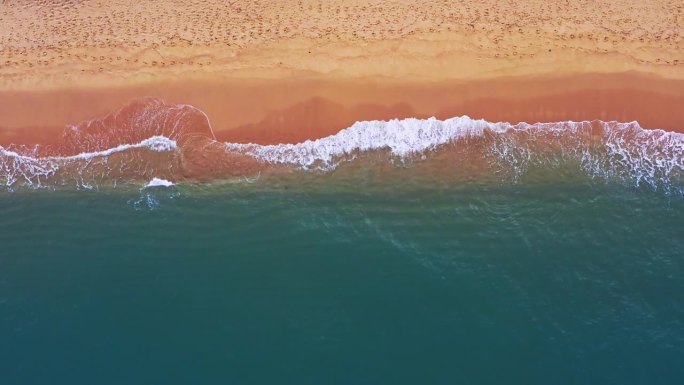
(292, 111)
(287, 71)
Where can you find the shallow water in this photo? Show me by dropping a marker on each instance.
(136, 248)
(345, 278)
(150, 138)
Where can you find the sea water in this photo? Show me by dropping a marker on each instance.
(541, 281)
(142, 251)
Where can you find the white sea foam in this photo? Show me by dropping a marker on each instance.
(158, 182)
(33, 171)
(401, 137)
(609, 149)
(155, 143)
(602, 149)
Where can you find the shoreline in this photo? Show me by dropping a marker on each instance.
(287, 71)
(293, 110)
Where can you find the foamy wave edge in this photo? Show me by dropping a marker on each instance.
(159, 182)
(32, 171)
(154, 143)
(608, 149)
(401, 137)
(604, 149)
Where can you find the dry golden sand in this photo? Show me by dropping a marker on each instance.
(250, 64)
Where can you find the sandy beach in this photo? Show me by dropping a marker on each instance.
(336, 192)
(286, 71)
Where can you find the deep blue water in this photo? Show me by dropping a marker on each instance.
(479, 283)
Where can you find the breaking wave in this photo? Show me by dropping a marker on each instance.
(151, 140)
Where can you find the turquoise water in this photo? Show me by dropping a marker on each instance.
(547, 280)
(138, 249)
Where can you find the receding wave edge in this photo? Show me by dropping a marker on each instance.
(152, 139)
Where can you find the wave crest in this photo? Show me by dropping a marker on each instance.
(150, 138)
(83, 168)
(603, 149)
(139, 120)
